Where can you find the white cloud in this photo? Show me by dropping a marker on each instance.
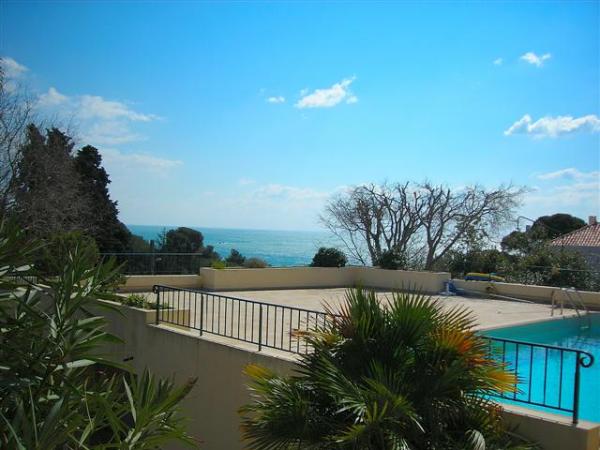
(279, 191)
(534, 59)
(110, 132)
(11, 68)
(571, 174)
(276, 99)
(52, 98)
(132, 161)
(554, 126)
(91, 106)
(579, 198)
(498, 61)
(326, 98)
(100, 121)
(246, 181)
(567, 190)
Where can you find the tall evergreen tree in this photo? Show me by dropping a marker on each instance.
(47, 189)
(102, 215)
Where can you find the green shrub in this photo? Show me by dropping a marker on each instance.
(136, 300)
(255, 263)
(392, 260)
(55, 253)
(59, 388)
(217, 264)
(329, 257)
(235, 258)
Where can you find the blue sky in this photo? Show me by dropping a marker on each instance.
(251, 114)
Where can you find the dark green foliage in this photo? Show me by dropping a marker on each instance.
(518, 242)
(137, 300)
(58, 249)
(102, 214)
(544, 229)
(57, 191)
(138, 244)
(480, 261)
(553, 267)
(182, 240)
(48, 199)
(329, 257)
(255, 263)
(392, 260)
(550, 227)
(235, 258)
(406, 376)
(57, 388)
(527, 257)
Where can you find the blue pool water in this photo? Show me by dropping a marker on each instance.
(541, 378)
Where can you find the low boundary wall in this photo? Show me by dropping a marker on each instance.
(144, 283)
(320, 277)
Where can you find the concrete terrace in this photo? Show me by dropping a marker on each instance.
(490, 313)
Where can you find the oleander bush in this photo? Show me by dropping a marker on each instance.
(58, 390)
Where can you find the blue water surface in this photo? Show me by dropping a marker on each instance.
(278, 248)
(541, 371)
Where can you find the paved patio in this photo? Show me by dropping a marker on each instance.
(490, 313)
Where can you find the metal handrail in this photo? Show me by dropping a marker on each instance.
(278, 327)
(260, 323)
(577, 305)
(500, 349)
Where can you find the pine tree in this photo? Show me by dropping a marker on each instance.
(102, 215)
(47, 189)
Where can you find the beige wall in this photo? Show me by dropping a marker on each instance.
(221, 387)
(527, 292)
(551, 431)
(141, 283)
(320, 277)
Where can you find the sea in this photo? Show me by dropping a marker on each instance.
(278, 248)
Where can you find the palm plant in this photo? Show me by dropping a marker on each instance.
(404, 375)
(57, 388)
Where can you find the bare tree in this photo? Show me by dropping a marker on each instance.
(16, 112)
(450, 217)
(371, 219)
(420, 222)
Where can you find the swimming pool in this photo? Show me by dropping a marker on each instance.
(547, 374)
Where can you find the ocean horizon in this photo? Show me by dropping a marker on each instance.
(279, 248)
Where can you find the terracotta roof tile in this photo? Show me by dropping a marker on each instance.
(588, 236)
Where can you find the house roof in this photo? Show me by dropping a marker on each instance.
(587, 236)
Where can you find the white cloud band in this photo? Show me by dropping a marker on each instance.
(554, 126)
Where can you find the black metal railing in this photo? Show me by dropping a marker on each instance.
(263, 324)
(546, 376)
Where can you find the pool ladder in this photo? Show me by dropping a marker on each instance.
(573, 297)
